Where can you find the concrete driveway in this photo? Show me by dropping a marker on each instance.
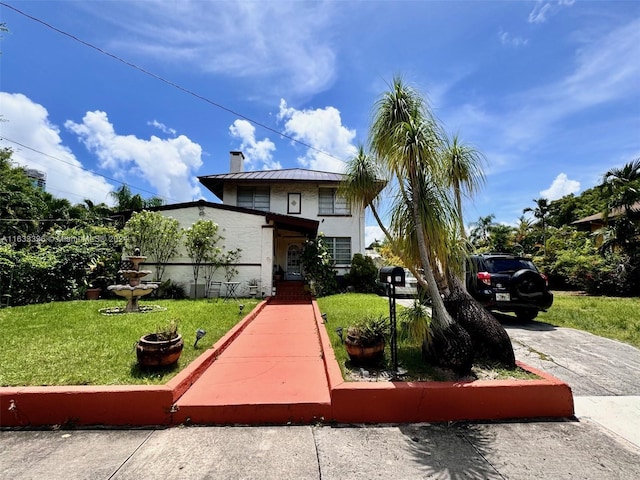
(604, 375)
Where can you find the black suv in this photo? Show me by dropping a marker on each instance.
(508, 283)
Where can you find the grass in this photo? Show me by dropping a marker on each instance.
(71, 343)
(610, 317)
(345, 309)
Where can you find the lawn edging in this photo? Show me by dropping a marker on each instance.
(406, 402)
(113, 405)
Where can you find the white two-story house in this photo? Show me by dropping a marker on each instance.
(269, 215)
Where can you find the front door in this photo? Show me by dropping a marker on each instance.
(294, 265)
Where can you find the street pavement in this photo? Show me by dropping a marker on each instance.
(602, 442)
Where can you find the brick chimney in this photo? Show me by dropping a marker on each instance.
(236, 162)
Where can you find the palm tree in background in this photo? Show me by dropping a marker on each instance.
(481, 231)
(623, 187)
(541, 212)
(126, 200)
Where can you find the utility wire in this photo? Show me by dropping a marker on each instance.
(169, 82)
(81, 167)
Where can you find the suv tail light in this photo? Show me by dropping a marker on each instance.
(485, 277)
(546, 279)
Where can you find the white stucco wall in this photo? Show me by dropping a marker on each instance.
(240, 230)
(331, 226)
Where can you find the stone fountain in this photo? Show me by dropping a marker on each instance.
(134, 289)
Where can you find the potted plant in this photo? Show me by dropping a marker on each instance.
(160, 348)
(278, 272)
(96, 280)
(366, 339)
(254, 283)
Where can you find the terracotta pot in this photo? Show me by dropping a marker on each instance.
(93, 293)
(158, 353)
(364, 355)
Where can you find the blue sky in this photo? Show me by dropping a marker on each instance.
(548, 91)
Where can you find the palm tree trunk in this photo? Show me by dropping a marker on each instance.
(440, 315)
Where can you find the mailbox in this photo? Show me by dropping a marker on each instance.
(392, 275)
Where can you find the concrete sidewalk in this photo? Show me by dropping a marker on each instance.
(558, 450)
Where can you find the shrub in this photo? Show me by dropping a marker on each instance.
(318, 267)
(363, 274)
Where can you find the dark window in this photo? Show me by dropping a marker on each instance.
(340, 249)
(256, 198)
(330, 203)
(506, 265)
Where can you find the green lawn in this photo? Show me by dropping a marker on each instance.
(71, 343)
(610, 317)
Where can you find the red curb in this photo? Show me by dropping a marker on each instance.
(82, 406)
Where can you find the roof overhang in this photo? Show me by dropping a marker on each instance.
(295, 224)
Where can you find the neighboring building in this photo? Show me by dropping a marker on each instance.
(593, 223)
(37, 177)
(269, 215)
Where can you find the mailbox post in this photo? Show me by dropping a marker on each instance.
(393, 277)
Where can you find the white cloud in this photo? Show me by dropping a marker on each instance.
(167, 164)
(162, 127)
(371, 234)
(508, 40)
(28, 123)
(560, 187)
(257, 153)
(284, 45)
(321, 129)
(543, 10)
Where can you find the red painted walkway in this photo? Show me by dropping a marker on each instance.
(273, 370)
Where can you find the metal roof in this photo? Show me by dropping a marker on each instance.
(215, 183)
(599, 217)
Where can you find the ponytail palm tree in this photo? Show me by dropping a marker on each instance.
(407, 140)
(464, 174)
(407, 149)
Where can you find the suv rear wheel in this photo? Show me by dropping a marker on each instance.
(526, 314)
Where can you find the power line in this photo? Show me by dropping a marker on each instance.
(81, 167)
(169, 82)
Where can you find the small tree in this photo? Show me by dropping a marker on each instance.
(157, 237)
(201, 240)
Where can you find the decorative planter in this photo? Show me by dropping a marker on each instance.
(253, 290)
(362, 355)
(93, 293)
(152, 352)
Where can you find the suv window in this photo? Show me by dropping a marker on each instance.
(504, 265)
